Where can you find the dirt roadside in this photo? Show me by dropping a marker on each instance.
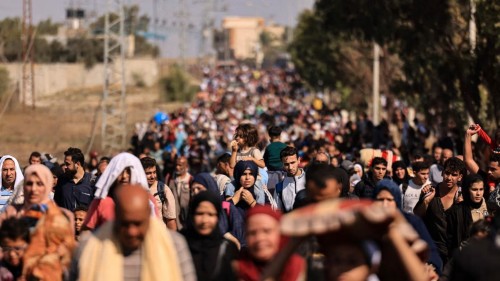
(66, 119)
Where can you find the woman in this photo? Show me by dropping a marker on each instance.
(264, 242)
(399, 173)
(470, 210)
(245, 191)
(212, 254)
(52, 240)
(388, 194)
(231, 223)
(358, 169)
(124, 168)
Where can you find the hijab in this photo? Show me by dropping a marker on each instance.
(360, 168)
(207, 181)
(19, 172)
(204, 248)
(392, 187)
(45, 176)
(240, 168)
(398, 181)
(251, 270)
(115, 167)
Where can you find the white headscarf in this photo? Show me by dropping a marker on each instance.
(360, 168)
(19, 172)
(115, 167)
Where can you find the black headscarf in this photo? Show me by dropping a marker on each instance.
(395, 166)
(207, 181)
(204, 248)
(240, 168)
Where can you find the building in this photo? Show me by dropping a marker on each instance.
(243, 35)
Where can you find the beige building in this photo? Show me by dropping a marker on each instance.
(277, 33)
(243, 35)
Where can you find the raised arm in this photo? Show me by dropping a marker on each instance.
(234, 153)
(468, 158)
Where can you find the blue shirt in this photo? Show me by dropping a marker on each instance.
(70, 195)
(5, 194)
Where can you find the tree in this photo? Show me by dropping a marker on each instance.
(82, 48)
(10, 36)
(177, 85)
(47, 27)
(338, 62)
(441, 72)
(133, 23)
(4, 82)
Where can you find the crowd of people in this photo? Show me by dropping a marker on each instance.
(257, 179)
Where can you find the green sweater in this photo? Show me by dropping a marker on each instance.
(272, 156)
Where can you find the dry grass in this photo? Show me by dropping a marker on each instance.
(65, 120)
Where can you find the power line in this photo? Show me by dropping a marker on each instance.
(114, 91)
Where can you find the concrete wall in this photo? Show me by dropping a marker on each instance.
(57, 77)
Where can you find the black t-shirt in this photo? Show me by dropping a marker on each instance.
(435, 219)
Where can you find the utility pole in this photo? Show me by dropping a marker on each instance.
(28, 55)
(183, 19)
(114, 91)
(376, 77)
(206, 42)
(207, 31)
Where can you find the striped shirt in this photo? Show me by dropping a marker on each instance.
(5, 194)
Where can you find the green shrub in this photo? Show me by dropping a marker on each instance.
(177, 86)
(4, 82)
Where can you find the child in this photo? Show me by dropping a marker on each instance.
(80, 214)
(243, 146)
(14, 239)
(272, 158)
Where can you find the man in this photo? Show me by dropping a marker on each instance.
(157, 154)
(223, 173)
(272, 157)
(135, 246)
(74, 189)
(436, 202)
(411, 191)
(294, 181)
(492, 177)
(101, 166)
(322, 157)
(378, 170)
(35, 158)
(165, 200)
(180, 184)
(436, 170)
(437, 152)
(325, 182)
(11, 177)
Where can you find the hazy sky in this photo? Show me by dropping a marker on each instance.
(283, 12)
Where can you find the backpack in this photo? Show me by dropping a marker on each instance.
(161, 192)
(404, 188)
(279, 190)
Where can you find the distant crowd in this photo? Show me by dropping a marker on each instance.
(258, 179)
